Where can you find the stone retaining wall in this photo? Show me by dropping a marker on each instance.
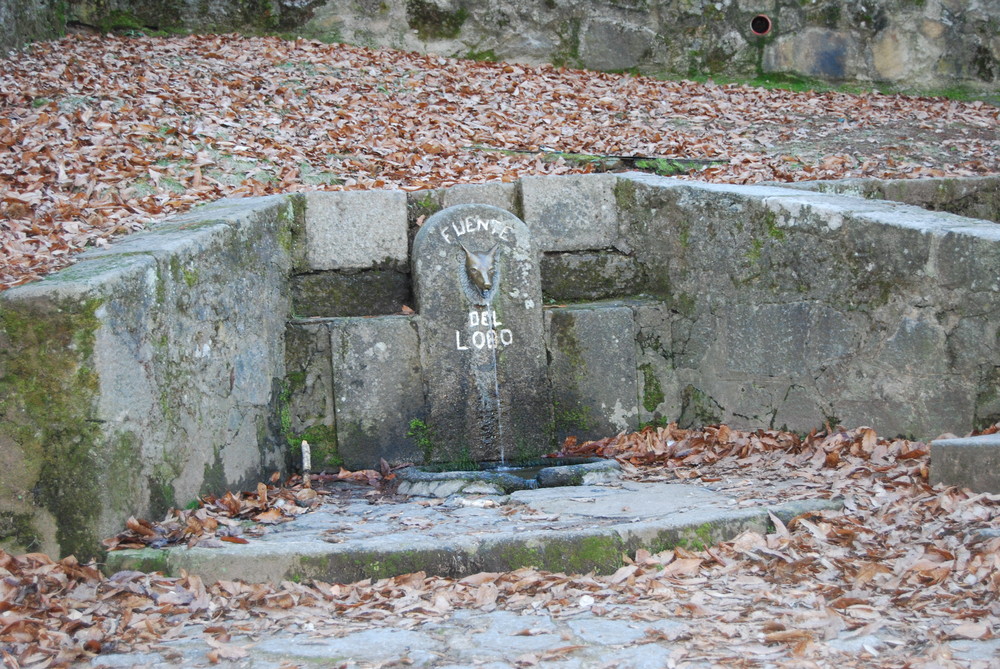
(932, 43)
(196, 357)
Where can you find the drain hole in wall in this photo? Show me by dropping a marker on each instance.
(760, 25)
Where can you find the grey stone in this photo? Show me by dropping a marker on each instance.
(309, 403)
(570, 213)
(659, 394)
(815, 52)
(613, 45)
(377, 389)
(497, 194)
(355, 230)
(971, 462)
(575, 529)
(916, 347)
(374, 645)
(502, 637)
(590, 276)
(355, 293)
(974, 197)
(587, 473)
(593, 370)
(606, 632)
(24, 21)
(483, 356)
(169, 351)
(766, 339)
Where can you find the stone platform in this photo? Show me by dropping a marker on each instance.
(574, 529)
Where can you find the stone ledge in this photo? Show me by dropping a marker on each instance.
(968, 462)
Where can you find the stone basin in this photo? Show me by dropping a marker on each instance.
(495, 478)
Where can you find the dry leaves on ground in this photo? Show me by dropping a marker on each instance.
(217, 520)
(918, 565)
(102, 136)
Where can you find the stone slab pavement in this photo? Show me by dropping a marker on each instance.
(469, 531)
(574, 529)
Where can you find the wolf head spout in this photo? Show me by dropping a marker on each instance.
(480, 267)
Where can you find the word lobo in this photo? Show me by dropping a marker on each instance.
(488, 337)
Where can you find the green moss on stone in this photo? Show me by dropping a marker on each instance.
(423, 436)
(432, 22)
(18, 533)
(567, 54)
(48, 392)
(652, 391)
(698, 408)
(323, 447)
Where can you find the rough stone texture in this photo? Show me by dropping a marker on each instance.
(24, 21)
(355, 230)
(252, 16)
(498, 194)
(377, 389)
(355, 293)
(471, 347)
(163, 367)
(573, 530)
(306, 411)
(817, 52)
(144, 375)
(972, 462)
(570, 213)
(915, 44)
(593, 370)
(893, 325)
(568, 277)
(659, 394)
(898, 41)
(975, 197)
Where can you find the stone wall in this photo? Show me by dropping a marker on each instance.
(932, 43)
(24, 21)
(197, 356)
(926, 44)
(143, 376)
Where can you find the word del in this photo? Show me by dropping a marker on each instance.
(489, 338)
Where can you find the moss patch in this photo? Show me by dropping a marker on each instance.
(698, 409)
(652, 391)
(48, 391)
(431, 22)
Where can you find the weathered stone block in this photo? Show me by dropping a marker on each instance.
(590, 276)
(659, 393)
(496, 194)
(355, 230)
(970, 462)
(614, 45)
(307, 400)
(593, 370)
(158, 378)
(481, 342)
(377, 389)
(570, 213)
(350, 293)
(815, 52)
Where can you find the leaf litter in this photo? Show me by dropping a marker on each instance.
(917, 565)
(102, 136)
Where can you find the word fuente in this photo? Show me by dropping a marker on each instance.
(472, 224)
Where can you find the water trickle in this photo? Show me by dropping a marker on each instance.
(496, 377)
(478, 289)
